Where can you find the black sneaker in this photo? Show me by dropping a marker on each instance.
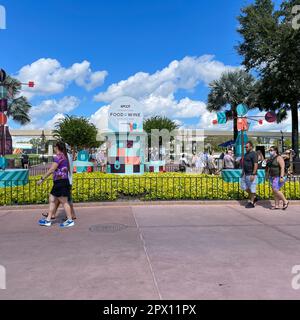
(250, 205)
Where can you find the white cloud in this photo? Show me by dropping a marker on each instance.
(157, 91)
(40, 113)
(178, 122)
(66, 104)
(184, 74)
(157, 105)
(170, 107)
(51, 123)
(100, 118)
(38, 123)
(51, 78)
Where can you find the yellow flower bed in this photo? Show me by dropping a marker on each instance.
(151, 186)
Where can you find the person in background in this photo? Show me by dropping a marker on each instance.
(249, 174)
(60, 170)
(183, 163)
(211, 164)
(100, 157)
(25, 160)
(261, 160)
(194, 161)
(200, 165)
(205, 161)
(276, 172)
(288, 161)
(228, 160)
(70, 176)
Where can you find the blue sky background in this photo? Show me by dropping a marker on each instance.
(120, 37)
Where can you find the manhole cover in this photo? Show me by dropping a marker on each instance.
(108, 227)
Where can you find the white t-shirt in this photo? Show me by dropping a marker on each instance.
(70, 175)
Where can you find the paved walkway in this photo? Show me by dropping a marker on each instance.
(152, 252)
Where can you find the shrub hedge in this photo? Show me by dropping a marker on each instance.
(151, 186)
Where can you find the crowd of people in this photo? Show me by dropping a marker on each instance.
(231, 162)
(204, 162)
(277, 167)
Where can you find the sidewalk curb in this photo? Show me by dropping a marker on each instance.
(145, 203)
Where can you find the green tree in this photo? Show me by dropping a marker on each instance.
(231, 89)
(78, 132)
(36, 143)
(270, 46)
(18, 106)
(159, 123)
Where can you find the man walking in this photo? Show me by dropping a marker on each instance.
(249, 174)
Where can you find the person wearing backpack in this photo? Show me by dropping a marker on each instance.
(183, 163)
(276, 173)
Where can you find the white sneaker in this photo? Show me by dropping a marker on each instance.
(67, 224)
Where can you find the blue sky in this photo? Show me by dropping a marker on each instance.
(78, 52)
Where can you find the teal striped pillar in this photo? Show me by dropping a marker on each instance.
(14, 177)
(234, 175)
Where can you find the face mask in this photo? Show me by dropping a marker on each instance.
(272, 153)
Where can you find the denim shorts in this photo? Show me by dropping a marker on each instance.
(247, 184)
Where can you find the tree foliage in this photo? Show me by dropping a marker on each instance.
(271, 47)
(231, 89)
(78, 132)
(18, 106)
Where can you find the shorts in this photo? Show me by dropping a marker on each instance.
(276, 184)
(247, 184)
(61, 188)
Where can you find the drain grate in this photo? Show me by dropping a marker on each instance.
(108, 227)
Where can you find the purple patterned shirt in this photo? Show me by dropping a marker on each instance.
(62, 170)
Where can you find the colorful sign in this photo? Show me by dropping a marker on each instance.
(125, 115)
(222, 117)
(271, 117)
(242, 124)
(241, 110)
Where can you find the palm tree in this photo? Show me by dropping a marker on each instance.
(232, 88)
(17, 106)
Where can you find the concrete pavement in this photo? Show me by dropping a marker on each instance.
(152, 252)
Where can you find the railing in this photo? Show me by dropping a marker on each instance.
(147, 187)
(42, 169)
(33, 161)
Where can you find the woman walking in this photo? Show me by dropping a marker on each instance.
(276, 171)
(61, 186)
(70, 176)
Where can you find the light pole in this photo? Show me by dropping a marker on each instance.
(282, 142)
(43, 145)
